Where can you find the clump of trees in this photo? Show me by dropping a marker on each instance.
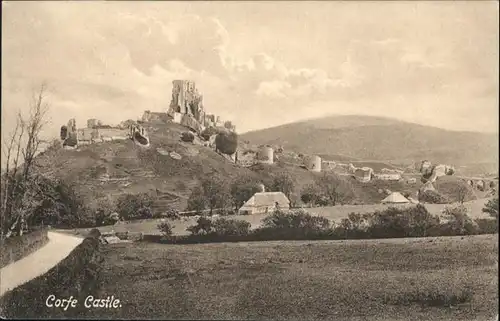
(19, 178)
(226, 142)
(432, 197)
(138, 206)
(328, 190)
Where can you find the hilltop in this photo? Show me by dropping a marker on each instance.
(366, 138)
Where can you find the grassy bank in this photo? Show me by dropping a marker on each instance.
(17, 247)
(77, 275)
(454, 278)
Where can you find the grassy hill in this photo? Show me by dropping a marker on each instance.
(382, 139)
(115, 168)
(132, 169)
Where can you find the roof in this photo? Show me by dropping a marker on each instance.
(395, 197)
(266, 199)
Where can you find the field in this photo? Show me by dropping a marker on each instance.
(336, 213)
(454, 278)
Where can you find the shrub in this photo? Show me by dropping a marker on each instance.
(295, 220)
(230, 227)
(187, 137)
(432, 197)
(226, 142)
(491, 207)
(209, 132)
(459, 222)
(166, 229)
(135, 206)
(486, 226)
(171, 214)
(310, 195)
(397, 222)
(203, 226)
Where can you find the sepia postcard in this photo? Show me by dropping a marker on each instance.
(249, 160)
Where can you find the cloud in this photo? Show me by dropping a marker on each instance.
(116, 59)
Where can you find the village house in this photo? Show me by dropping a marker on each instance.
(265, 202)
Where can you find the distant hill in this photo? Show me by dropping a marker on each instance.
(382, 139)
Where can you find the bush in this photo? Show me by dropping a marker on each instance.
(132, 207)
(187, 137)
(403, 222)
(166, 229)
(226, 143)
(486, 226)
(203, 226)
(209, 132)
(171, 214)
(294, 220)
(230, 227)
(432, 197)
(459, 222)
(491, 207)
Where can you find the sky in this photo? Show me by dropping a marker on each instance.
(258, 64)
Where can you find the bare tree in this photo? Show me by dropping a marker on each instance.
(20, 151)
(463, 192)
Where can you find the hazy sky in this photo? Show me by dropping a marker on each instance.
(258, 64)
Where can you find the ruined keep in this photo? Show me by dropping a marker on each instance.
(186, 99)
(313, 163)
(265, 155)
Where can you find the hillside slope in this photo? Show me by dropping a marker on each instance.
(381, 139)
(115, 168)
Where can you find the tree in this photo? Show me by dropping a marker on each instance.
(463, 192)
(283, 182)
(242, 189)
(197, 201)
(460, 222)
(20, 151)
(491, 207)
(310, 194)
(135, 206)
(216, 193)
(226, 142)
(335, 189)
(212, 193)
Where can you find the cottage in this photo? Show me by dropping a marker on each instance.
(395, 198)
(265, 202)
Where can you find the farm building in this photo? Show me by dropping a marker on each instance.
(395, 198)
(265, 202)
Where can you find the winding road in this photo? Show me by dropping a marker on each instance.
(38, 262)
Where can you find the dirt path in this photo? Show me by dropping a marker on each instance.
(39, 262)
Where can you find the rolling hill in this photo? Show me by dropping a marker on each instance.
(383, 139)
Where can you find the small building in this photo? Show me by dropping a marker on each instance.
(395, 198)
(265, 202)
